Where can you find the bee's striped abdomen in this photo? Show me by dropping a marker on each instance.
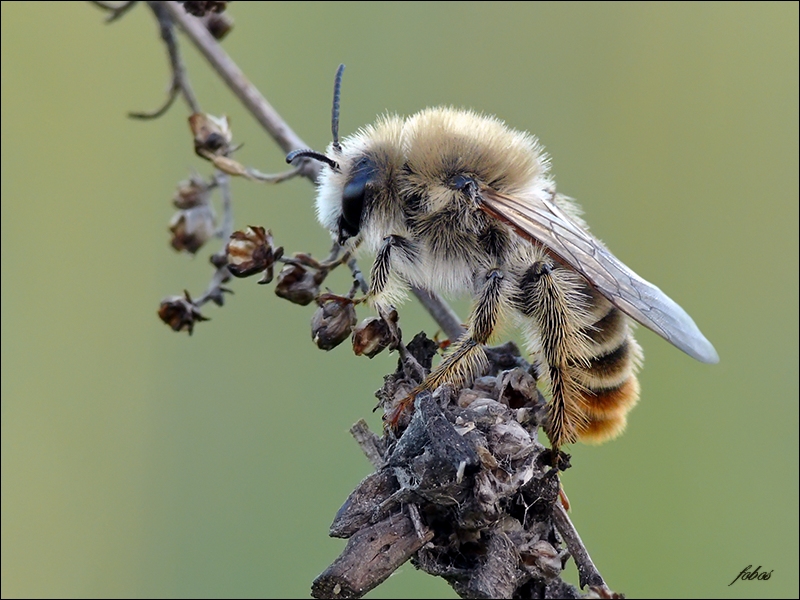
(590, 353)
(608, 384)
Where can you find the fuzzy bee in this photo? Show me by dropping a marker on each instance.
(453, 201)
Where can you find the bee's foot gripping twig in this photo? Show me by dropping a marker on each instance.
(412, 368)
(556, 458)
(400, 414)
(415, 371)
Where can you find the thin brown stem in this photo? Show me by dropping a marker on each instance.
(172, 94)
(233, 76)
(587, 571)
(215, 290)
(180, 81)
(176, 63)
(116, 10)
(272, 178)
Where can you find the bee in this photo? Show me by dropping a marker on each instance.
(454, 201)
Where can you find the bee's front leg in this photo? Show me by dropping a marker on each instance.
(394, 247)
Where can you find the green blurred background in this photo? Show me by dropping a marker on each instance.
(141, 462)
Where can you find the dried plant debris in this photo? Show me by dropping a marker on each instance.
(191, 228)
(297, 284)
(465, 490)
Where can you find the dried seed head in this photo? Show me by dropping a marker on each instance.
(191, 228)
(179, 312)
(212, 135)
(252, 251)
(371, 337)
(199, 9)
(190, 193)
(218, 25)
(296, 284)
(332, 322)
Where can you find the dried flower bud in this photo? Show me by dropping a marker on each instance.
(296, 284)
(467, 396)
(252, 251)
(212, 135)
(372, 336)
(179, 312)
(510, 440)
(190, 193)
(547, 559)
(218, 25)
(332, 322)
(191, 228)
(199, 9)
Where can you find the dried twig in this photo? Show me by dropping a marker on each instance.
(587, 571)
(235, 79)
(371, 445)
(215, 290)
(180, 80)
(116, 10)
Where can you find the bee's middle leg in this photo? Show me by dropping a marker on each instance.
(467, 359)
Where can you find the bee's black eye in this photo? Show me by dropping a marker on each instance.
(353, 198)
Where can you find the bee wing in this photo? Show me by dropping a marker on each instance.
(542, 221)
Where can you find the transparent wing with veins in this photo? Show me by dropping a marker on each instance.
(543, 222)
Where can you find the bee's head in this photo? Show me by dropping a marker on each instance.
(340, 204)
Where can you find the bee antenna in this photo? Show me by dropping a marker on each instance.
(312, 154)
(337, 90)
